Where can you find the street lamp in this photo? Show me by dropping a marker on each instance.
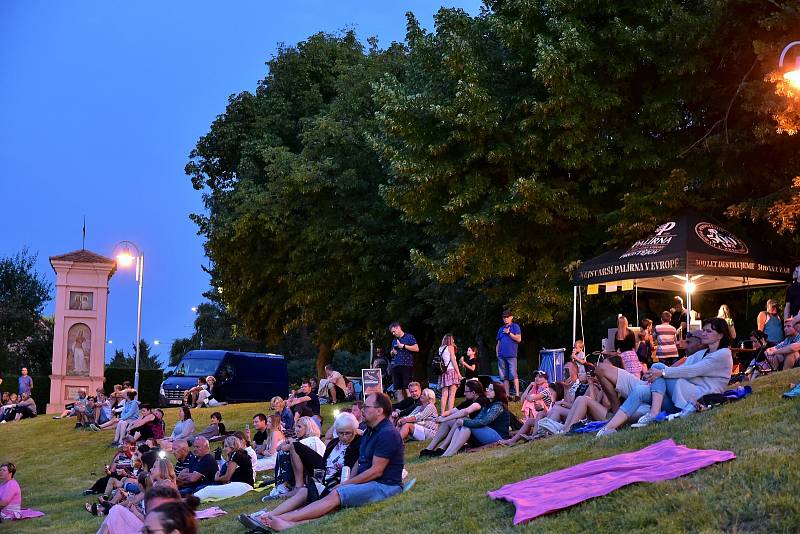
(793, 76)
(128, 253)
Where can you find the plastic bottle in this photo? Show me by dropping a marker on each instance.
(345, 473)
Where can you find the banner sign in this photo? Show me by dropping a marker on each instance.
(371, 381)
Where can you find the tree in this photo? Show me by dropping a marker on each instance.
(23, 331)
(128, 361)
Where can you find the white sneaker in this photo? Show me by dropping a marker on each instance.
(605, 431)
(277, 492)
(644, 420)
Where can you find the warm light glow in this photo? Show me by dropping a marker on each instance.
(793, 76)
(689, 287)
(335, 414)
(125, 259)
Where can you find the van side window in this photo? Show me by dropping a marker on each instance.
(226, 373)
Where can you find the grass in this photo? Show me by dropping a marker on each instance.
(757, 492)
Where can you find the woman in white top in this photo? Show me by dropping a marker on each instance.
(451, 378)
(725, 313)
(420, 424)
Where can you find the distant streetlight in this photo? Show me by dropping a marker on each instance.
(127, 253)
(156, 342)
(110, 341)
(793, 76)
(194, 309)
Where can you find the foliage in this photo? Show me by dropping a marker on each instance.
(756, 492)
(147, 360)
(24, 333)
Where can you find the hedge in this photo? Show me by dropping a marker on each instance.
(41, 389)
(149, 382)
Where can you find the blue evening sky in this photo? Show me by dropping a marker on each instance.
(100, 104)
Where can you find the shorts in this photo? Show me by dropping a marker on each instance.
(625, 382)
(401, 376)
(485, 435)
(422, 433)
(507, 367)
(352, 495)
(133, 488)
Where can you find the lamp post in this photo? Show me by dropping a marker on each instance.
(128, 252)
(793, 75)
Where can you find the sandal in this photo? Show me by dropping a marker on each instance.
(94, 509)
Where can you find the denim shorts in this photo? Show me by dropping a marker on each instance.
(352, 495)
(507, 367)
(485, 435)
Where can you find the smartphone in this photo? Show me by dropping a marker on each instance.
(247, 426)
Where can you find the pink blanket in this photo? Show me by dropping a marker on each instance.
(24, 513)
(560, 489)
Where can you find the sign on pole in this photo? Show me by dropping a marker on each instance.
(371, 381)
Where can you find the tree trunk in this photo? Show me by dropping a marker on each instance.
(324, 357)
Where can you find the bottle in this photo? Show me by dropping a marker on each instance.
(345, 473)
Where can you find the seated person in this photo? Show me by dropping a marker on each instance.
(281, 408)
(341, 451)
(677, 388)
(149, 425)
(377, 476)
(174, 516)
(785, 354)
(9, 408)
(333, 387)
(474, 401)
(183, 430)
(130, 413)
(211, 394)
(235, 478)
(73, 409)
(577, 362)
(190, 395)
(266, 440)
(489, 426)
(10, 492)
(617, 383)
(357, 409)
(420, 424)
(26, 407)
(538, 398)
(121, 466)
(126, 519)
(308, 446)
(758, 363)
(199, 472)
(408, 404)
(305, 397)
(214, 429)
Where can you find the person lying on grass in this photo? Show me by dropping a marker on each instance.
(377, 476)
(341, 451)
(488, 427)
(475, 401)
(677, 388)
(420, 424)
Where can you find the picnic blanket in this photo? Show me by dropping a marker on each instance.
(664, 460)
(792, 393)
(23, 513)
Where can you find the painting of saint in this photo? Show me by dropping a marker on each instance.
(79, 343)
(80, 300)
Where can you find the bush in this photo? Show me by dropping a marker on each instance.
(149, 382)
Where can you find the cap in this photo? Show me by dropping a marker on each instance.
(507, 313)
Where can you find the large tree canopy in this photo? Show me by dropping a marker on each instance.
(471, 168)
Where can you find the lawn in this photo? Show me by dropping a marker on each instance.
(757, 492)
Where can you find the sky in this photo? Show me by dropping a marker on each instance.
(100, 105)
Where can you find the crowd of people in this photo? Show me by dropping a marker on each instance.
(662, 371)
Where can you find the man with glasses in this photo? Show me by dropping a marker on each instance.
(785, 354)
(200, 472)
(377, 476)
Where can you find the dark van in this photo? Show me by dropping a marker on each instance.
(241, 376)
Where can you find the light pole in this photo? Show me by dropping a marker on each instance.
(793, 75)
(128, 252)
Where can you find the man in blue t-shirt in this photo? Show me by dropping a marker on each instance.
(404, 346)
(25, 382)
(377, 476)
(508, 339)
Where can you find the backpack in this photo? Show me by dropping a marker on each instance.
(437, 364)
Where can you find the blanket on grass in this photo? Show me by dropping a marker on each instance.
(17, 515)
(664, 460)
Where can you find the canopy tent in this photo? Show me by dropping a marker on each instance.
(690, 253)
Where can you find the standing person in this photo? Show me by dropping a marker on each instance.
(645, 344)
(404, 346)
(666, 340)
(624, 343)
(725, 313)
(769, 322)
(451, 378)
(509, 337)
(792, 307)
(470, 364)
(25, 382)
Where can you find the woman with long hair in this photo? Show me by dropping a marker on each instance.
(725, 313)
(451, 377)
(237, 478)
(625, 345)
(489, 426)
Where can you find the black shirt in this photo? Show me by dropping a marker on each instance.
(260, 437)
(244, 468)
(483, 401)
(793, 298)
(626, 344)
(206, 466)
(406, 406)
(467, 372)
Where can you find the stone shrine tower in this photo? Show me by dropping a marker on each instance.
(79, 335)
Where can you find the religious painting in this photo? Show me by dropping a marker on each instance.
(79, 344)
(81, 300)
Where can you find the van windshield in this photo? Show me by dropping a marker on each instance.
(197, 367)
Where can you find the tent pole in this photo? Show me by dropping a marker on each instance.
(688, 306)
(580, 305)
(636, 298)
(574, 313)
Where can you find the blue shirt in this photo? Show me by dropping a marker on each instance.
(287, 418)
(403, 356)
(508, 347)
(25, 384)
(383, 441)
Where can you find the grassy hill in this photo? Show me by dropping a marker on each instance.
(757, 492)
